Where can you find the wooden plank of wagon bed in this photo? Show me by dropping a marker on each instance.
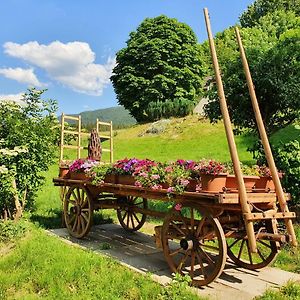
(252, 198)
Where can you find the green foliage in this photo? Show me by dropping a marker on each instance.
(287, 158)
(260, 8)
(27, 142)
(11, 230)
(161, 63)
(272, 49)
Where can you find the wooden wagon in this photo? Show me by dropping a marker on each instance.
(200, 229)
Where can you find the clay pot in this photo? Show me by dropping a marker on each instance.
(213, 183)
(79, 176)
(265, 183)
(64, 172)
(250, 182)
(125, 179)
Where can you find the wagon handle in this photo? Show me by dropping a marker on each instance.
(230, 139)
(264, 139)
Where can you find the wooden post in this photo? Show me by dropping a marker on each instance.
(79, 136)
(97, 125)
(111, 143)
(62, 136)
(230, 139)
(264, 139)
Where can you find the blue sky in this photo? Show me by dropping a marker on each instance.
(69, 46)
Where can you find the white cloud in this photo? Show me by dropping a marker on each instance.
(26, 76)
(12, 97)
(71, 64)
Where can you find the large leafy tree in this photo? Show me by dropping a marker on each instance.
(261, 8)
(159, 73)
(272, 48)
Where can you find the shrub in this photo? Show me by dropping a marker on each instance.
(27, 148)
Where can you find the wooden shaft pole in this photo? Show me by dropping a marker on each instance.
(230, 138)
(111, 143)
(62, 136)
(264, 139)
(97, 125)
(79, 137)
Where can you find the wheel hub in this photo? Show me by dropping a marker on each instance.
(187, 244)
(76, 210)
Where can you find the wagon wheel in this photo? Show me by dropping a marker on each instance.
(129, 218)
(78, 211)
(239, 252)
(194, 246)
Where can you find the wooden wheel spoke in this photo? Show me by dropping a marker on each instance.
(85, 209)
(192, 264)
(70, 221)
(85, 217)
(249, 253)
(82, 223)
(265, 244)
(236, 241)
(135, 216)
(209, 246)
(74, 195)
(199, 227)
(260, 254)
(75, 223)
(78, 224)
(203, 271)
(178, 228)
(73, 202)
(127, 221)
(132, 222)
(177, 251)
(182, 261)
(241, 249)
(183, 221)
(124, 216)
(139, 203)
(84, 202)
(206, 256)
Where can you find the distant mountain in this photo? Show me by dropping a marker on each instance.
(118, 115)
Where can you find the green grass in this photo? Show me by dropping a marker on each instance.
(291, 291)
(42, 266)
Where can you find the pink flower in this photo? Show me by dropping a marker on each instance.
(138, 184)
(198, 188)
(170, 189)
(155, 176)
(184, 182)
(178, 206)
(156, 187)
(168, 169)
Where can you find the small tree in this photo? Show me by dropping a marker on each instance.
(27, 148)
(161, 64)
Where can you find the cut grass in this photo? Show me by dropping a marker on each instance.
(42, 266)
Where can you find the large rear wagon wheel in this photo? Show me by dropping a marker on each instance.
(78, 211)
(194, 245)
(239, 252)
(129, 218)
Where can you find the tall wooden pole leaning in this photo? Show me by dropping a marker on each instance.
(62, 136)
(265, 141)
(230, 139)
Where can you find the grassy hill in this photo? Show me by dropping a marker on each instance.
(118, 115)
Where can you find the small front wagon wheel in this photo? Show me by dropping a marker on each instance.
(78, 211)
(194, 244)
(128, 215)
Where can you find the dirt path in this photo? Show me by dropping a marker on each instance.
(138, 252)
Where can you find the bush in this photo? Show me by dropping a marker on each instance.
(287, 159)
(27, 147)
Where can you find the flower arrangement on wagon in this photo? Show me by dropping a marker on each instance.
(80, 168)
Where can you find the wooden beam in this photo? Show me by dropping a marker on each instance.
(230, 137)
(265, 141)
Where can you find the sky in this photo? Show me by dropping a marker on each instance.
(69, 46)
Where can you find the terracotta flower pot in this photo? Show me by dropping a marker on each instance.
(111, 178)
(64, 172)
(125, 179)
(191, 187)
(250, 181)
(79, 176)
(265, 183)
(213, 183)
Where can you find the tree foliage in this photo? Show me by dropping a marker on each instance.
(160, 67)
(272, 49)
(261, 8)
(27, 148)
